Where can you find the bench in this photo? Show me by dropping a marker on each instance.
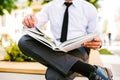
(37, 68)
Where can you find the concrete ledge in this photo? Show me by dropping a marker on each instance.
(95, 58)
(22, 67)
(37, 68)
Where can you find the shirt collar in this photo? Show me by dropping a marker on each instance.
(75, 2)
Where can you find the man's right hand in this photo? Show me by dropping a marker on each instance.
(29, 21)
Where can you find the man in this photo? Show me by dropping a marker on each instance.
(64, 66)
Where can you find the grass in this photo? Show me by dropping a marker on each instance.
(105, 51)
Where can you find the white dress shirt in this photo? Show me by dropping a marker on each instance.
(82, 18)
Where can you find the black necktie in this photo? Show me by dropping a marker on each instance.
(65, 24)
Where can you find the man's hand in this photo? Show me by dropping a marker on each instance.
(29, 21)
(94, 44)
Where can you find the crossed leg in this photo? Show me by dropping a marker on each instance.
(58, 63)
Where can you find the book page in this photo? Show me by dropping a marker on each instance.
(40, 36)
(48, 34)
(76, 42)
(57, 46)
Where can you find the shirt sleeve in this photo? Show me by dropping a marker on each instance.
(42, 16)
(92, 16)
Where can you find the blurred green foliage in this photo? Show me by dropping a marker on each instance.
(0, 41)
(29, 2)
(45, 1)
(94, 2)
(14, 54)
(105, 51)
(7, 5)
(105, 26)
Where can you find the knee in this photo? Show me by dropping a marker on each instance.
(53, 75)
(21, 42)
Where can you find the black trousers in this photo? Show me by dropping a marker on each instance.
(58, 62)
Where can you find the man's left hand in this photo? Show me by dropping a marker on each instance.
(94, 44)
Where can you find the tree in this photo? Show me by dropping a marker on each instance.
(29, 2)
(94, 2)
(45, 1)
(7, 5)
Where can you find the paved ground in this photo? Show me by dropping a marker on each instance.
(113, 62)
(16, 76)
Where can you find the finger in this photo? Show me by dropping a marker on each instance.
(30, 21)
(92, 43)
(25, 22)
(97, 39)
(93, 47)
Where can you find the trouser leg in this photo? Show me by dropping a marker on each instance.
(52, 74)
(59, 61)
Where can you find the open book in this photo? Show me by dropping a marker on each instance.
(56, 45)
